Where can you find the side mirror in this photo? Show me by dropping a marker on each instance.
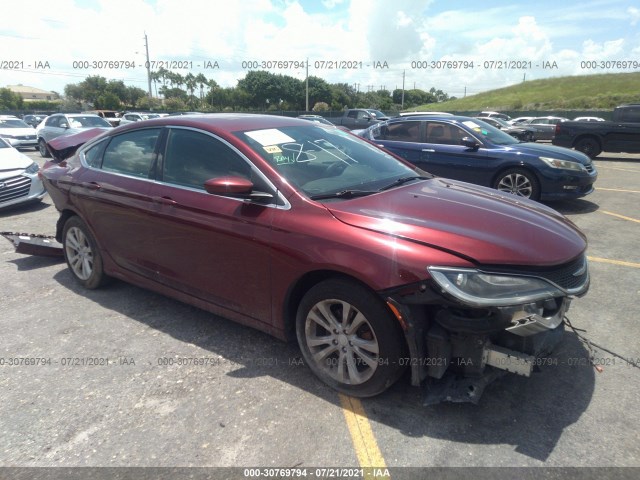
(64, 125)
(470, 143)
(237, 187)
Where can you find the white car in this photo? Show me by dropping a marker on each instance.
(18, 133)
(19, 181)
(588, 119)
(131, 117)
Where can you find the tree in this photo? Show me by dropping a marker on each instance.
(320, 107)
(107, 101)
(342, 95)
(319, 91)
(10, 100)
(133, 96)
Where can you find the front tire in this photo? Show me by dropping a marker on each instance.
(82, 254)
(349, 338)
(518, 181)
(42, 148)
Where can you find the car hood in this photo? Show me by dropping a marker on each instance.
(477, 223)
(64, 146)
(18, 132)
(12, 160)
(550, 151)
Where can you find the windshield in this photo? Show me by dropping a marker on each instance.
(88, 121)
(11, 123)
(489, 132)
(377, 113)
(322, 161)
(499, 121)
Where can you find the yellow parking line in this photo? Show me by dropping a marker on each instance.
(620, 216)
(364, 442)
(614, 262)
(617, 190)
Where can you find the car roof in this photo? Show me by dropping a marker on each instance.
(226, 122)
(443, 117)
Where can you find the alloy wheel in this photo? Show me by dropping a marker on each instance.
(342, 342)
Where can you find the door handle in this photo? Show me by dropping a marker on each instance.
(91, 185)
(164, 200)
(430, 150)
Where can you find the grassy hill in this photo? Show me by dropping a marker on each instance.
(582, 92)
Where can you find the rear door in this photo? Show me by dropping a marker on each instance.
(625, 135)
(402, 138)
(113, 196)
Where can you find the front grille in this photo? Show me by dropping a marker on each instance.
(14, 187)
(571, 276)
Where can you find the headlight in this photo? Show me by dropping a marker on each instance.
(563, 164)
(479, 289)
(33, 168)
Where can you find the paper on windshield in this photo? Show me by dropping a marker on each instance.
(270, 136)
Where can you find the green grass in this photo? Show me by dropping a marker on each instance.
(583, 92)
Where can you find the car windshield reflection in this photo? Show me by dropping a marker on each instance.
(322, 162)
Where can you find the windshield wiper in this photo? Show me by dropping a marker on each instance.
(344, 194)
(403, 180)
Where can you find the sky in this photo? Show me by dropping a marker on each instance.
(460, 47)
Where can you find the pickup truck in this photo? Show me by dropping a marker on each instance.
(359, 118)
(622, 134)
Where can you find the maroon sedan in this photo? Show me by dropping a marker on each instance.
(311, 233)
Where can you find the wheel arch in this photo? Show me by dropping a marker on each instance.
(521, 166)
(65, 215)
(304, 284)
(589, 136)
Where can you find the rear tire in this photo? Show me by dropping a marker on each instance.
(82, 254)
(588, 146)
(349, 338)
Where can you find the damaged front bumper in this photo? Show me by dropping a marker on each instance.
(457, 349)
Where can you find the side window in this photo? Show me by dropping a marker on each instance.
(403, 132)
(192, 158)
(131, 153)
(352, 114)
(93, 156)
(53, 121)
(444, 134)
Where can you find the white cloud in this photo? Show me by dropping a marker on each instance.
(362, 31)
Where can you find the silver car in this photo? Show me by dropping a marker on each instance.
(545, 127)
(17, 133)
(19, 181)
(66, 124)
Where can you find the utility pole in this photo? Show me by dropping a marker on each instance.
(307, 82)
(402, 102)
(146, 46)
